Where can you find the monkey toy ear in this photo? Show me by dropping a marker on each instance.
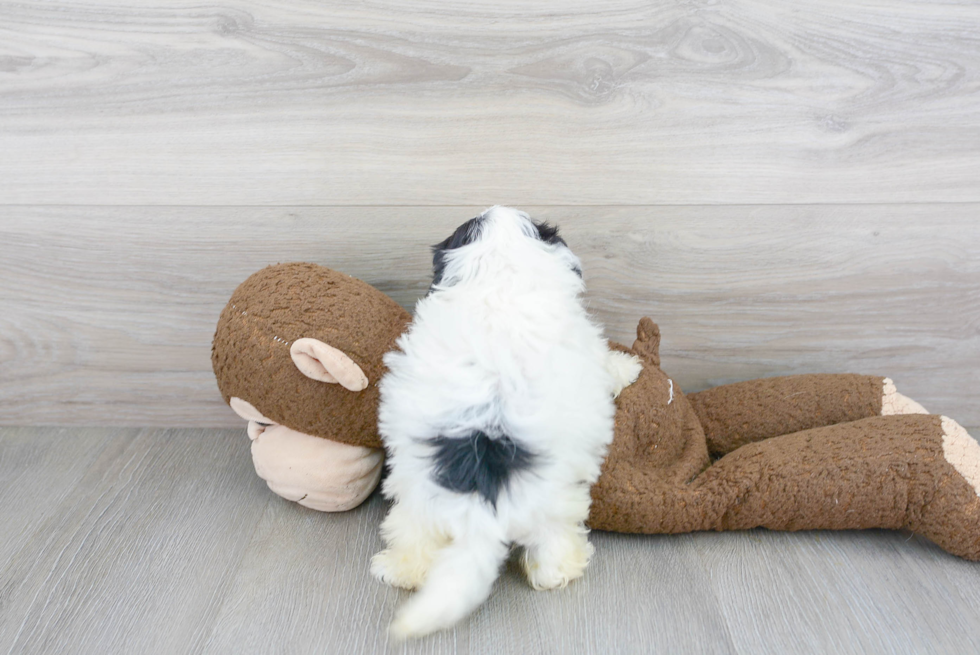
(323, 362)
(647, 344)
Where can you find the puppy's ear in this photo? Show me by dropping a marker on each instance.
(323, 362)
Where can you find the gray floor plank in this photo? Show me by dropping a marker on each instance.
(37, 478)
(117, 331)
(165, 541)
(400, 102)
(303, 585)
(138, 557)
(848, 592)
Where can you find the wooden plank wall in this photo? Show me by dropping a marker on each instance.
(784, 188)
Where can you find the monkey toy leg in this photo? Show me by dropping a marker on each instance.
(920, 472)
(796, 453)
(733, 415)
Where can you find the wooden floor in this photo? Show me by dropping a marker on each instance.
(165, 541)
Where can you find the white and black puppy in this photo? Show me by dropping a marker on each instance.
(496, 413)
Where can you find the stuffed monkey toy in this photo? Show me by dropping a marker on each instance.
(298, 354)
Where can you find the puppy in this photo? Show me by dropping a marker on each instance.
(496, 413)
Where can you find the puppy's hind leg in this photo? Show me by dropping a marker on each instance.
(557, 555)
(411, 549)
(558, 550)
(460, 578)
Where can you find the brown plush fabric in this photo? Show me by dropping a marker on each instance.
(736, 414)
(285, 302)
(881, 472)
(877, 472)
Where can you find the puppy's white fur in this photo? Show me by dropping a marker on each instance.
(502, 343)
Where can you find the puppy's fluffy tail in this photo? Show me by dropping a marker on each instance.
(461, 578)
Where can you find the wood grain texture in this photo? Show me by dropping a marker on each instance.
(721, 165)
(35, 478)
(169, 543)
(109, 311)
(138, 557)
(310, 102)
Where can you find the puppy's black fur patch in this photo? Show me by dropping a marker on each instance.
(549, 233)
(464, 235)
(478, 463)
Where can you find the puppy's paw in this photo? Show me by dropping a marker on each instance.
(624, 368)
(399, 569)
(555, 567)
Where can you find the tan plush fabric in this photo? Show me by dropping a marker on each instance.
(895, 403)
(962, 452)
(866, 472)
(318, 473)
(282, 303)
